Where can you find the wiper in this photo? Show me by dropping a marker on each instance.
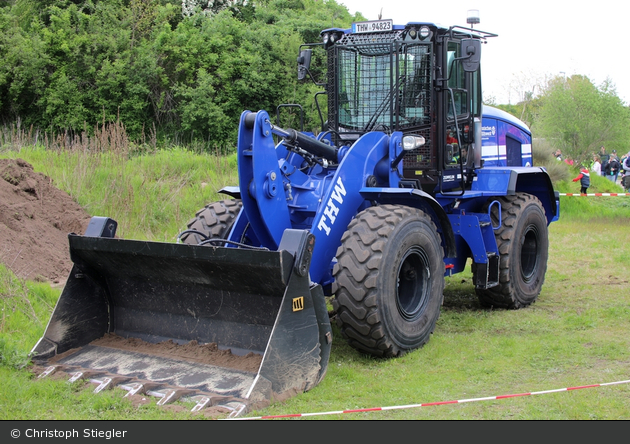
(383, 106)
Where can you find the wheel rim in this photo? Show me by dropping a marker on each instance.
(413, 284)
(529, 253)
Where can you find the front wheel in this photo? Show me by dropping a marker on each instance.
(523, 244)
(389, 280)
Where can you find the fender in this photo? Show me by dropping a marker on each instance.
(342, 199)
(501, 181)
(421, 200)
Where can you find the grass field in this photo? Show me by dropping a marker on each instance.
(576, 334)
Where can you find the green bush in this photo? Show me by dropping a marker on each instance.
(69, 67)
(542, 153)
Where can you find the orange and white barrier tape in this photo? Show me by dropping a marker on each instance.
(429, 404)
(594, 194)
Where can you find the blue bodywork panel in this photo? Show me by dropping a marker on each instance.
(281, 188)
(505, 140)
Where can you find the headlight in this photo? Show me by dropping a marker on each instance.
(412, 142)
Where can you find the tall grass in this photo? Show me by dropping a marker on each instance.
(151, 196)
(25, 309)
(109, 136)
(150, 192)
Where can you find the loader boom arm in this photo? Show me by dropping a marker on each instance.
(283, 188)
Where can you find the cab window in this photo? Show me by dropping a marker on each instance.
(456, 82)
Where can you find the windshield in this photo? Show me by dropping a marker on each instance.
(386, 89)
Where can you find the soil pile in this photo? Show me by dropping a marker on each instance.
(35, 220)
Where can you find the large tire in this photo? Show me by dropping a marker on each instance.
(214, 221)
(389, 280)
(523, 243)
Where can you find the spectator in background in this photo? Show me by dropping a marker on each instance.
(568, 161)
(625, 166)
(614, 154)
(585, 180)
(597, 165)
(558, 154)
(615, 157)
(612, 167)
(603, 157)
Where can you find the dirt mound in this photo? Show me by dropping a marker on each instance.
(35, 219)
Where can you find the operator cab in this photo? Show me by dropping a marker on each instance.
(420, 79)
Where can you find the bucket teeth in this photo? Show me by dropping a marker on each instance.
(165, 395)
(76, 376)
(105, 384)
(171, 395)
(108, 383)
(237, 408)
(201, 403)
(133, 389)
(49, 371)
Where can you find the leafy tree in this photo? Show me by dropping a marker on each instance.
(69, 65)
(578, 117)
(90, 63)
(24, 60)
(526, 110)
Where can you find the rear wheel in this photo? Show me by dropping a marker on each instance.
(214, 221)
(389, 280)
(523, 244)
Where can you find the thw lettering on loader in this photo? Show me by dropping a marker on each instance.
(332, 210)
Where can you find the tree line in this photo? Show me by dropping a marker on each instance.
(577, 116)
(186, 69)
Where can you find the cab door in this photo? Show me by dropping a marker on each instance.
(462, 99)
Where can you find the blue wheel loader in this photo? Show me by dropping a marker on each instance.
(408, 179)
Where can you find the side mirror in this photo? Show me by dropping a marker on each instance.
(470, 54)
(304, 63)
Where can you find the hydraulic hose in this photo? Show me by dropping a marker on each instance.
(313, 146)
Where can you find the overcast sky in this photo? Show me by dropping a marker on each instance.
(537, 39)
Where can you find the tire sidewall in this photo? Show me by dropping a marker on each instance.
(531, 222)
(409, 234)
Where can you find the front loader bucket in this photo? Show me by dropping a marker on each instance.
(154, 316)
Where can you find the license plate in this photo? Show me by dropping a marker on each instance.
(373, 26)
